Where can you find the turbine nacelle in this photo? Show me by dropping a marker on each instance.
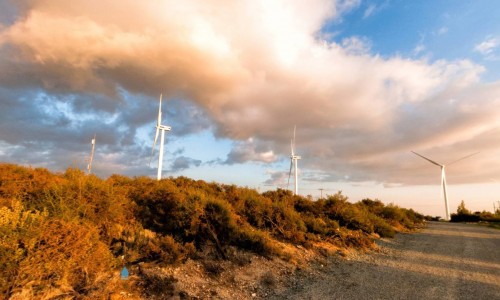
(163, 127)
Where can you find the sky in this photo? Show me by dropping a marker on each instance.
(364, 82)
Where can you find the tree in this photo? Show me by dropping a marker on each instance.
(462, 210)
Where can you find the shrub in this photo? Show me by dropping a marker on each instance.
(19, 231)
(256, 210)
(465, 218)
(62, 233)
(64, 258)
(214, 222)
(256, 241)
(347, 214)
(382, 228)
(286, 223)
(162, 208)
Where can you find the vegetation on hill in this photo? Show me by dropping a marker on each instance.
(465, 215)
(67, 233)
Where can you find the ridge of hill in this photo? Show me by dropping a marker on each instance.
(67, 235)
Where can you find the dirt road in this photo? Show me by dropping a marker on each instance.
(444, 261)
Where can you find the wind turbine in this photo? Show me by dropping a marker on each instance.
(293, 163)
(162, 128)
(91, 158)
(443, 178)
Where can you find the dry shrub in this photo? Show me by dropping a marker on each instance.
(66, 259)
(62, 241)
(256, 210)
(287, 223)
(354, 238)
(348, 215)
(256, 241)
(144, 245)
(19, 230)
(382, 228)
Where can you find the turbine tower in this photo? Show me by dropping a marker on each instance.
(443, 179)
(91, 158)
(162, 128)
(293, 163)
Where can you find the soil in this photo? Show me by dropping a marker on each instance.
(442, 261)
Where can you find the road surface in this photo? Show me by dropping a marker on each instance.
(443, 261)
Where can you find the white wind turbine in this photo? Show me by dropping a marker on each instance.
(293, 163)
(91, 158)
(162, 128)
(443, 178)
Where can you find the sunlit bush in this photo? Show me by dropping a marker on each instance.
(64, 234)
(42, 256)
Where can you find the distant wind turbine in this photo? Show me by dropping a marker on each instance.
(162, 128)
(443, 178)
(91, 158)
(293, 163)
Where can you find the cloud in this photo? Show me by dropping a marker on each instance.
(369, 10)
(419, 49)
(373, 9)
(249, 71)
(277, 179)
(182, 162)
(344, 6)
(356, 45)
(249, 151)
(488, 47)
(442, 30)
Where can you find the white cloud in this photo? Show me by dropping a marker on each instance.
(488, 47)
(344, 6)
(442, 30)
(369, 10)
(250, 151)
(419, 49)
(356, 45)
(372, 9)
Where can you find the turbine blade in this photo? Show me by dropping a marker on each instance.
(431, 161)
(294, 130)
(159, 112)
(463, 158)
(154, 145)
(289, 174)
(291, 147)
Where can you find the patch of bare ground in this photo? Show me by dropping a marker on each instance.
(243, 276)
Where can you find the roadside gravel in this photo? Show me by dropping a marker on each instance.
(443, 261)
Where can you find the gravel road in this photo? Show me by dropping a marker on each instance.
(443, 261)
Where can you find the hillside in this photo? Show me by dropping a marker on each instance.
(67, 235)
